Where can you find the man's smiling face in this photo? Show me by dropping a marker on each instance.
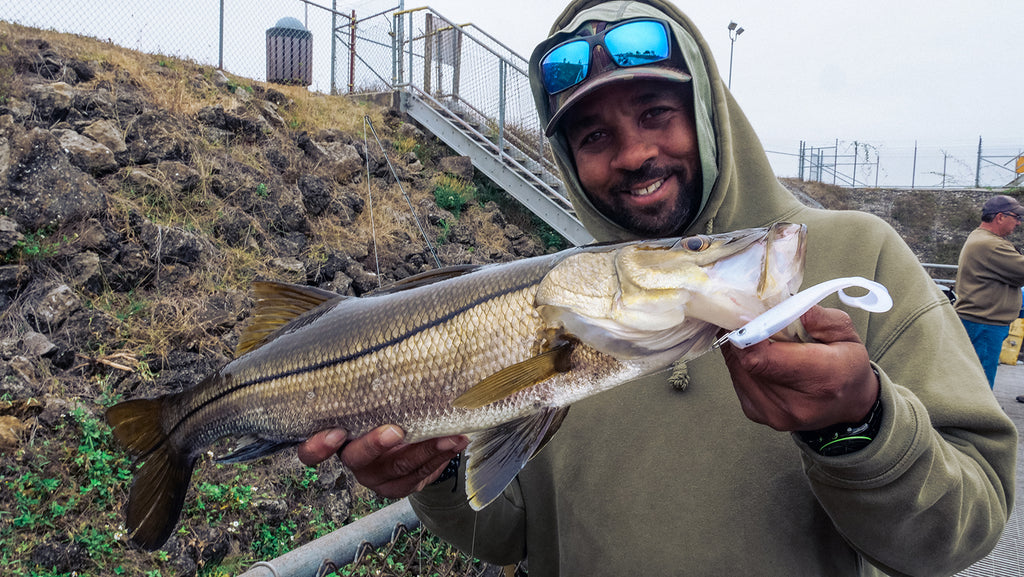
(636, 154)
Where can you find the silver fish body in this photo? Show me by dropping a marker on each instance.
(498, 353)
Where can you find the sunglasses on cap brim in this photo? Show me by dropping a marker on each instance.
(631, 43)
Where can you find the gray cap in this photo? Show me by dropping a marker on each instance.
(1002, 203)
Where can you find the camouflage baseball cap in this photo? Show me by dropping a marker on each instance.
(603, 71)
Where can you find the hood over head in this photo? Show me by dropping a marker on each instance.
(722, 129)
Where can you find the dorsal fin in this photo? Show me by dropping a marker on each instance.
(428, 278)
(277, 304)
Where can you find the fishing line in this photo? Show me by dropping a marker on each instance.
(408, 201)
(369, 195)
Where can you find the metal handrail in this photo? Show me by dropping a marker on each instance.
(497, 150)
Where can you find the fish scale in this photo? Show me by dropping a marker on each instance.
(497, 353)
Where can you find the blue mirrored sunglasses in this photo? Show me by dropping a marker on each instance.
(630, 43)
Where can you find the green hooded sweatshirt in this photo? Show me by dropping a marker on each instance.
(648, 479)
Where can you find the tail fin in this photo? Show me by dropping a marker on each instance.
(158, 492)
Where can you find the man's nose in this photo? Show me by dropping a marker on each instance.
(634, 151)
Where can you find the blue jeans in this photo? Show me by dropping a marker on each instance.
(988, 342)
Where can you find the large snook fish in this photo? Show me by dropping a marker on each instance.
(497, 352)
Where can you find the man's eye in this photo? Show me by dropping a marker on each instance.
(654, 113)
(590, 138)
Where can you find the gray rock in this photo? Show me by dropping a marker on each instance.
(86, 153)
(107, 133)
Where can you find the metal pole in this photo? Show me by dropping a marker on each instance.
(855, 147)
(334, 44)
(913, 174)
(977, 170)
(428, 53)
(835, 162)
(732, 47)
(501, 107)
(220, 57)
(800, 155)
(340, 547)
(352, 55)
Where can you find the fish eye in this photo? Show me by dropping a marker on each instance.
(696, 243)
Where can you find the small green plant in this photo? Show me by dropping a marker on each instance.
(404, 145)
(36, 245)
(261, 190)
(446, 229)
(453, 194)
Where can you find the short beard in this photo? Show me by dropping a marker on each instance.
(667, 223)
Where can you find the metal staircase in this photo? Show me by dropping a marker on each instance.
(473, 93)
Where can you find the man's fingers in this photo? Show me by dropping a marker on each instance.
(368, 448)
(321, 446)
(829, 325)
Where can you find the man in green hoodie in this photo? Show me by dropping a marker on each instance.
(735, 473)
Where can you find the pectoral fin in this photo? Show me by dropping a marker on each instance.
(495, 456)
(515, 378)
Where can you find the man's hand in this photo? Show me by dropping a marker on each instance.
(806, 386)
(381, 461)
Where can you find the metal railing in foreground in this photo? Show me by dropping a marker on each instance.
(341, 547)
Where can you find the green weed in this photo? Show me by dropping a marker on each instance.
(453, 194)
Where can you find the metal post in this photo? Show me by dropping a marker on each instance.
(456, 61)
(352, 55)
(855, 147)
(977, 170)
(411, 29)
(501, 106)
(945, 157)
(334, 44)
(835, 162)
(800, 155)
(913, 174)
(428, 53)
(220, 57)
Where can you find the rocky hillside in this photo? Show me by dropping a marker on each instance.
(139, 197)
(934, 223)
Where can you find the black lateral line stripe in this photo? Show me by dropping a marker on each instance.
(324, 364)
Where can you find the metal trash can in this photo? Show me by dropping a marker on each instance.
(289, 53)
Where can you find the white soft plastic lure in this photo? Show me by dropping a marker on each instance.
(877, 300)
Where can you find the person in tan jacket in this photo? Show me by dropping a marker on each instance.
(875, 449)
(989, 275)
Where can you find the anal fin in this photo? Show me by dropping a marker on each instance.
(495, 456)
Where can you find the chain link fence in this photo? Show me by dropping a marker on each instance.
(473, 75)
(330, 46)
(229, 34)
(982, 163)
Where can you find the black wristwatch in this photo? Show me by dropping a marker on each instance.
(450, 471)
(845, 438)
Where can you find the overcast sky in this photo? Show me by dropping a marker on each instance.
(941, 72)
